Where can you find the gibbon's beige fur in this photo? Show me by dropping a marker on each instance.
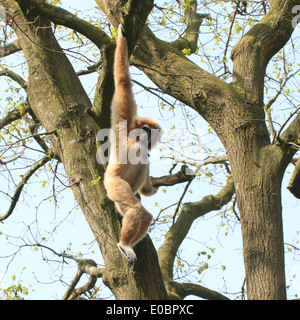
(123, 180)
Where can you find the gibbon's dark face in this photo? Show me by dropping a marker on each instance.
(153, 135)
(148, 131)
(150, 127)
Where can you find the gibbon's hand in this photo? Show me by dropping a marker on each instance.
(121, 30)
(154, 190)
(148, 192)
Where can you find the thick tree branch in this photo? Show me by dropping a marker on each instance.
(72, 286)
(193, 21)
(182, 79)
(291, 134)
(260, 44)
(132, 14)
(84, 266)
(58, 76)
(12, 116)
(63, 17)
(173, 179)
(10, 48)
(294, 184)
(190, 212)
(182, 290)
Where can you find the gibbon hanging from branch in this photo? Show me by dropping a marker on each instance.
(128, 168)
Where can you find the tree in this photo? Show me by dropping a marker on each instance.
(256, 154)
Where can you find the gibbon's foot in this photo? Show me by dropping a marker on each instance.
(128, 252)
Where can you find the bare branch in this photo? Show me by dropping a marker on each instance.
(33, 126)
(185, 289)
(88, 286)
(22, 183)
(72, 286)
(10, 48)
(84, 266)
(87, 266)
(289, 138)
(90, 69)
(193, 21)
(12, 116)
(190, 212)
(260, 44)
(13, 76)
(171, 180)
(209, 160)
(273, 99)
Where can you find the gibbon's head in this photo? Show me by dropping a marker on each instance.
(151, 128)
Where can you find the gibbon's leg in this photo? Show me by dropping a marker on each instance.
(134, 227)
(135, 224)
(136, 218)
(147, 189)
(144, 225)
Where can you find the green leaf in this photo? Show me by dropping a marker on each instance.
(94, 182)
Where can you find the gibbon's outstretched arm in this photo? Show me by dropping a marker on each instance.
(123, 180)
(123, 105)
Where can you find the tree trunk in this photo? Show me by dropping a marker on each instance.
(258, 188)
(236, 113)
(257, 165)
(59, 101)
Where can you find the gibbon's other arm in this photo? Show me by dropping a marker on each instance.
(147, 189)
(123, 104)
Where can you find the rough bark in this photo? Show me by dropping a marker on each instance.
(176, 235)
(59, 101)
(235, 111)
(294, 184)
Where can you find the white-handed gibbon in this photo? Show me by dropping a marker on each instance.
(133, 137)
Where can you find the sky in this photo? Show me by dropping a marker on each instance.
(215, 234)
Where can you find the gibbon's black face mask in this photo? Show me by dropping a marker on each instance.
(148, 131)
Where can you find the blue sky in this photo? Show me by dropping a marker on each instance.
(64, 226)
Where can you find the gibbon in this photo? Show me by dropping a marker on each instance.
(133, 137)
